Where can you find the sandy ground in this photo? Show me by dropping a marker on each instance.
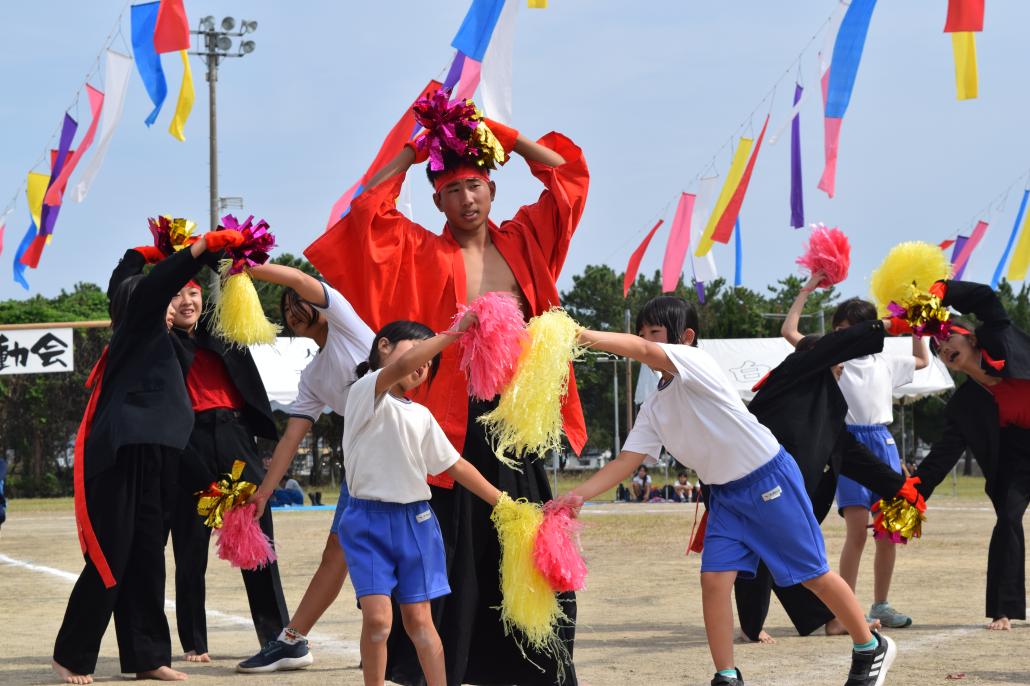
(640, 619)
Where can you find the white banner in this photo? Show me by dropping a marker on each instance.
(36, 351)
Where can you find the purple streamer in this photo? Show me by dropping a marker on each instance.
(48, 217)
(960, 242)
(454, 75)
(699, 286)
(797, 198)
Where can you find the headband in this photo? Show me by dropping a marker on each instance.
(461, 173)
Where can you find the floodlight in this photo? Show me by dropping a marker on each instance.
(208, 23)
(248, 26)
(224, 43)
(228, 24)
(247, 47)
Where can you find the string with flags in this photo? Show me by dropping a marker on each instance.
(156, 28)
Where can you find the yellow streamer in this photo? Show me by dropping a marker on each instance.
(527, 419)
(963, 45)
(1021, 256)
(238, 315)
(223, 495)
(185, 104)
(35, 189)
(527, 602)
(537, 4)
(733, 177)
(909, 268)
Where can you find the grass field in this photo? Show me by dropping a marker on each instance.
(639, 619)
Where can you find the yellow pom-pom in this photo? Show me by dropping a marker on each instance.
(527, 419)
(238, 316)
(909, 267)
(528, 604)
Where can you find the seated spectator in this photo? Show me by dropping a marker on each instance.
(641, 485)
(288, 493)
(683, 489)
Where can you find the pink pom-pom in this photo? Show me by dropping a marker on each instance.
(556, 549)
(241, 541)
(491, 346)
(829, 252)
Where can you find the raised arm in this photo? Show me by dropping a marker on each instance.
(398, 165)
(285, 451)
(628, 345)
(418, 355)
(610, 475)
(534, 152)
(921, 351)
(307, 287)
(791, 324)
(978, 299)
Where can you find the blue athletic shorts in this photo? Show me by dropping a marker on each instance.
(876, 437)
(394, 549)
(765, 516)
(341, 505)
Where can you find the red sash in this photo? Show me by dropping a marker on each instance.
(87, 538)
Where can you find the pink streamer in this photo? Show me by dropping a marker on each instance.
(56, 190)
(831, 139)
(967, 249)
(829, 252)
(556, 551)
(469, 79)
(491, 346)
(241, 541)
(679, 243)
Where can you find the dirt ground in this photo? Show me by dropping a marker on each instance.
(640, 618)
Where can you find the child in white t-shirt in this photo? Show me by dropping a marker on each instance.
(389, 532)
(868, 385)
(757, 504)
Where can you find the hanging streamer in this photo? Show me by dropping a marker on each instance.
(740, 158)
(967, 250)
(55, 193)
(958, 243)
(185, 104)
(473, 36)
(116, 80)
(19, 268)
(148, 62)
(679, 243)
(537, 4)
(469, 80)
(495, 86)
(35, 189)
(797, 196)
(1012, 239)
(634, 260)
(963, 45)
(1021, 255)
(724, 227)
(48, 213)
(738, 271)
(171, 28)
(704, 267)
(964, 15)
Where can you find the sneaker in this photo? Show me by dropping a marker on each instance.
(888, 616)
(277, 655)
(720, 680)
(870, 668)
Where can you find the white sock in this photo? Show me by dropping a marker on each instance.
(291, 636)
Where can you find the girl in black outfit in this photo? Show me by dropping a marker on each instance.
(989, 415)
(135, 425)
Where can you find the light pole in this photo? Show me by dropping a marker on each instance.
(215, 44)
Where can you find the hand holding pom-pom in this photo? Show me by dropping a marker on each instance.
(827, 252)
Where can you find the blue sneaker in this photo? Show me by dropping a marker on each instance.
(278, 655)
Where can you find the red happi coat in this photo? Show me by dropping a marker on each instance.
(391, 268)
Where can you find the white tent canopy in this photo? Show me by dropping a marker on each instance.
(280, 367)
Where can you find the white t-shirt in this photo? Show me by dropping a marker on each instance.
(641, 481)
(390, 445)
(328, 377)
(868, 384)
(701, 420)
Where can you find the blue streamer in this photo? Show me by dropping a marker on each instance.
(1012, 239)
(148, 62)
(26, 241)
(477, 28)
(847, 53)
(738, 271)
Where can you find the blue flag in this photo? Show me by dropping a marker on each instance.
(847, 53)
(477, 28)
(148, 62)
(26, 241)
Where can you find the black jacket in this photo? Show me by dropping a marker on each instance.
(972, 414)
(143, 397)
(802, 404)
(239, 363)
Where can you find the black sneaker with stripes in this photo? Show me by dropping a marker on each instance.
(869, 668)
(721, 680)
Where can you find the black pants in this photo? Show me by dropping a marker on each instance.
(476, 650)
(1006, 557)
(125, 506)
(219, 438)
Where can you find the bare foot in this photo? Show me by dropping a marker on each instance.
(835, 627)
(68, 676)
(999, 624)
(193, 656)
(763, 637)
(162, 674)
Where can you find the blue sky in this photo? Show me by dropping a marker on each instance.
(649, 90)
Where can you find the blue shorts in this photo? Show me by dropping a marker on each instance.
(394, 549)
(765, 516)
(876, 437)
(341, 505)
